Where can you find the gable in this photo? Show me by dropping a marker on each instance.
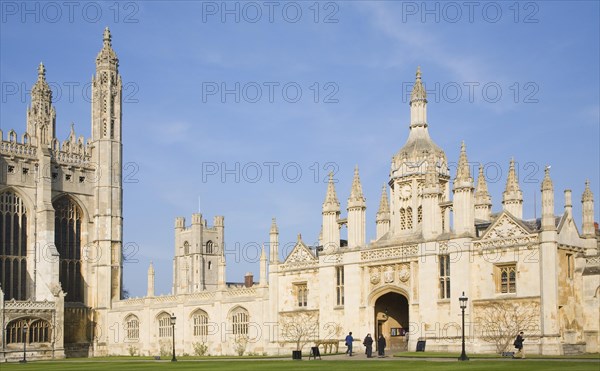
(300, 254)
(506, 231)
(567, 231)
(504, 227)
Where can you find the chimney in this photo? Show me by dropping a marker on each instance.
(248, 280)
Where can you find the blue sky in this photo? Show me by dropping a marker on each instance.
(352, 61)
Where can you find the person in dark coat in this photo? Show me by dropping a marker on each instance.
(368, 343)
(519, 345)
(381, 346)
(349, 340)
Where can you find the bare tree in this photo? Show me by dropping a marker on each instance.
(300, 327)
(501, 321)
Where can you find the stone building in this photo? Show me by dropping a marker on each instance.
(436, 239)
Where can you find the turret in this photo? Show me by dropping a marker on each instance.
(382, 219)
(483, 201)
(331, 213)
(274, 243)
(464, 212)
(587, 208)
(512, 198)
(547, 202)
(41, 115)
(356, 213)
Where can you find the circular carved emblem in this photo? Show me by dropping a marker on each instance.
(375, 278)
(404, 273)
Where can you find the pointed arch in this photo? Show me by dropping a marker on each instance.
(240, 320)
(13, 245)
(199, 320)
(132, 327)
(165, 329)
(68, 220)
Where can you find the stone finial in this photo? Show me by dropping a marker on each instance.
(41, 71)
(512, 183)
(299, 237)
(482, 196)
(547, 182)
(463, 173)
(587, 193)
(151, 268)
(274, 228)
(107, 37)
(331, 201)
(356, 193)
(418, 93)
(384, 205)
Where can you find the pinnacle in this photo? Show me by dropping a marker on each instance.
(482, 196)
(384, 206)
(547, 182)
(463, 173)
(418, 92)
(587, 193)
(356, 193)
(331, 201)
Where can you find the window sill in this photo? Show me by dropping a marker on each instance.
(338, 307)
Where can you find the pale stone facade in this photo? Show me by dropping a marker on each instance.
(436, 238)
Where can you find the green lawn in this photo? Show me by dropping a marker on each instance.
(330, 365)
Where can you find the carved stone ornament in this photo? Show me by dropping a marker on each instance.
(404, 273)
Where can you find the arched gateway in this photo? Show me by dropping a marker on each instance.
(391, 320)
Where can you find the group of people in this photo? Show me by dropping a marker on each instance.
(368, 343)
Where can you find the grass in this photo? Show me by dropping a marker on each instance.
(288, 365)
(490, 356)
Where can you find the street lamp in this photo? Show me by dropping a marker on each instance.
(24, 360)
(463, 304)
(173, 318)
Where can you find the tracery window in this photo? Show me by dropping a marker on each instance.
(132, 328)
(402, 219)
(409, 220)
(164, 326)
(444, 276)
(240, 321)
(13, 246)
(38, 331)
(419, 214)
(339, 285)
(200, 323)
(67, 237)
(301, 291)
(209, 247)
(506, 279)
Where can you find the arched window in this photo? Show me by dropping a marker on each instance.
(186, 248)
(38, 331)
(402, 219)
(67, 237)
(239, 321)
(209, 247)
(13, 246)
(209, 265)
(419, 214)
(132, 328)
(409, 215)
(164, 326)
(200, 323)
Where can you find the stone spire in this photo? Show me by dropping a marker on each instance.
(464, 216)
(150, 292)
(41, 115)
(512, 198)
(357, 198)
(384, 206)
(382, 219)
(107, 57)
(331, 213)
(587, 202)
(463, 173)
(356, 213)
(331, 203)
(547, 201)
(483, 200)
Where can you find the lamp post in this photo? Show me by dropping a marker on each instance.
(24, 360)
(173, 318)
(463, 304)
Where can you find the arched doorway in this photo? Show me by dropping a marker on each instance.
(391, 320)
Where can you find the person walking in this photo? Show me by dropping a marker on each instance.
(349, 340)
(381, 346)
(519, 345)
(368, 343)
